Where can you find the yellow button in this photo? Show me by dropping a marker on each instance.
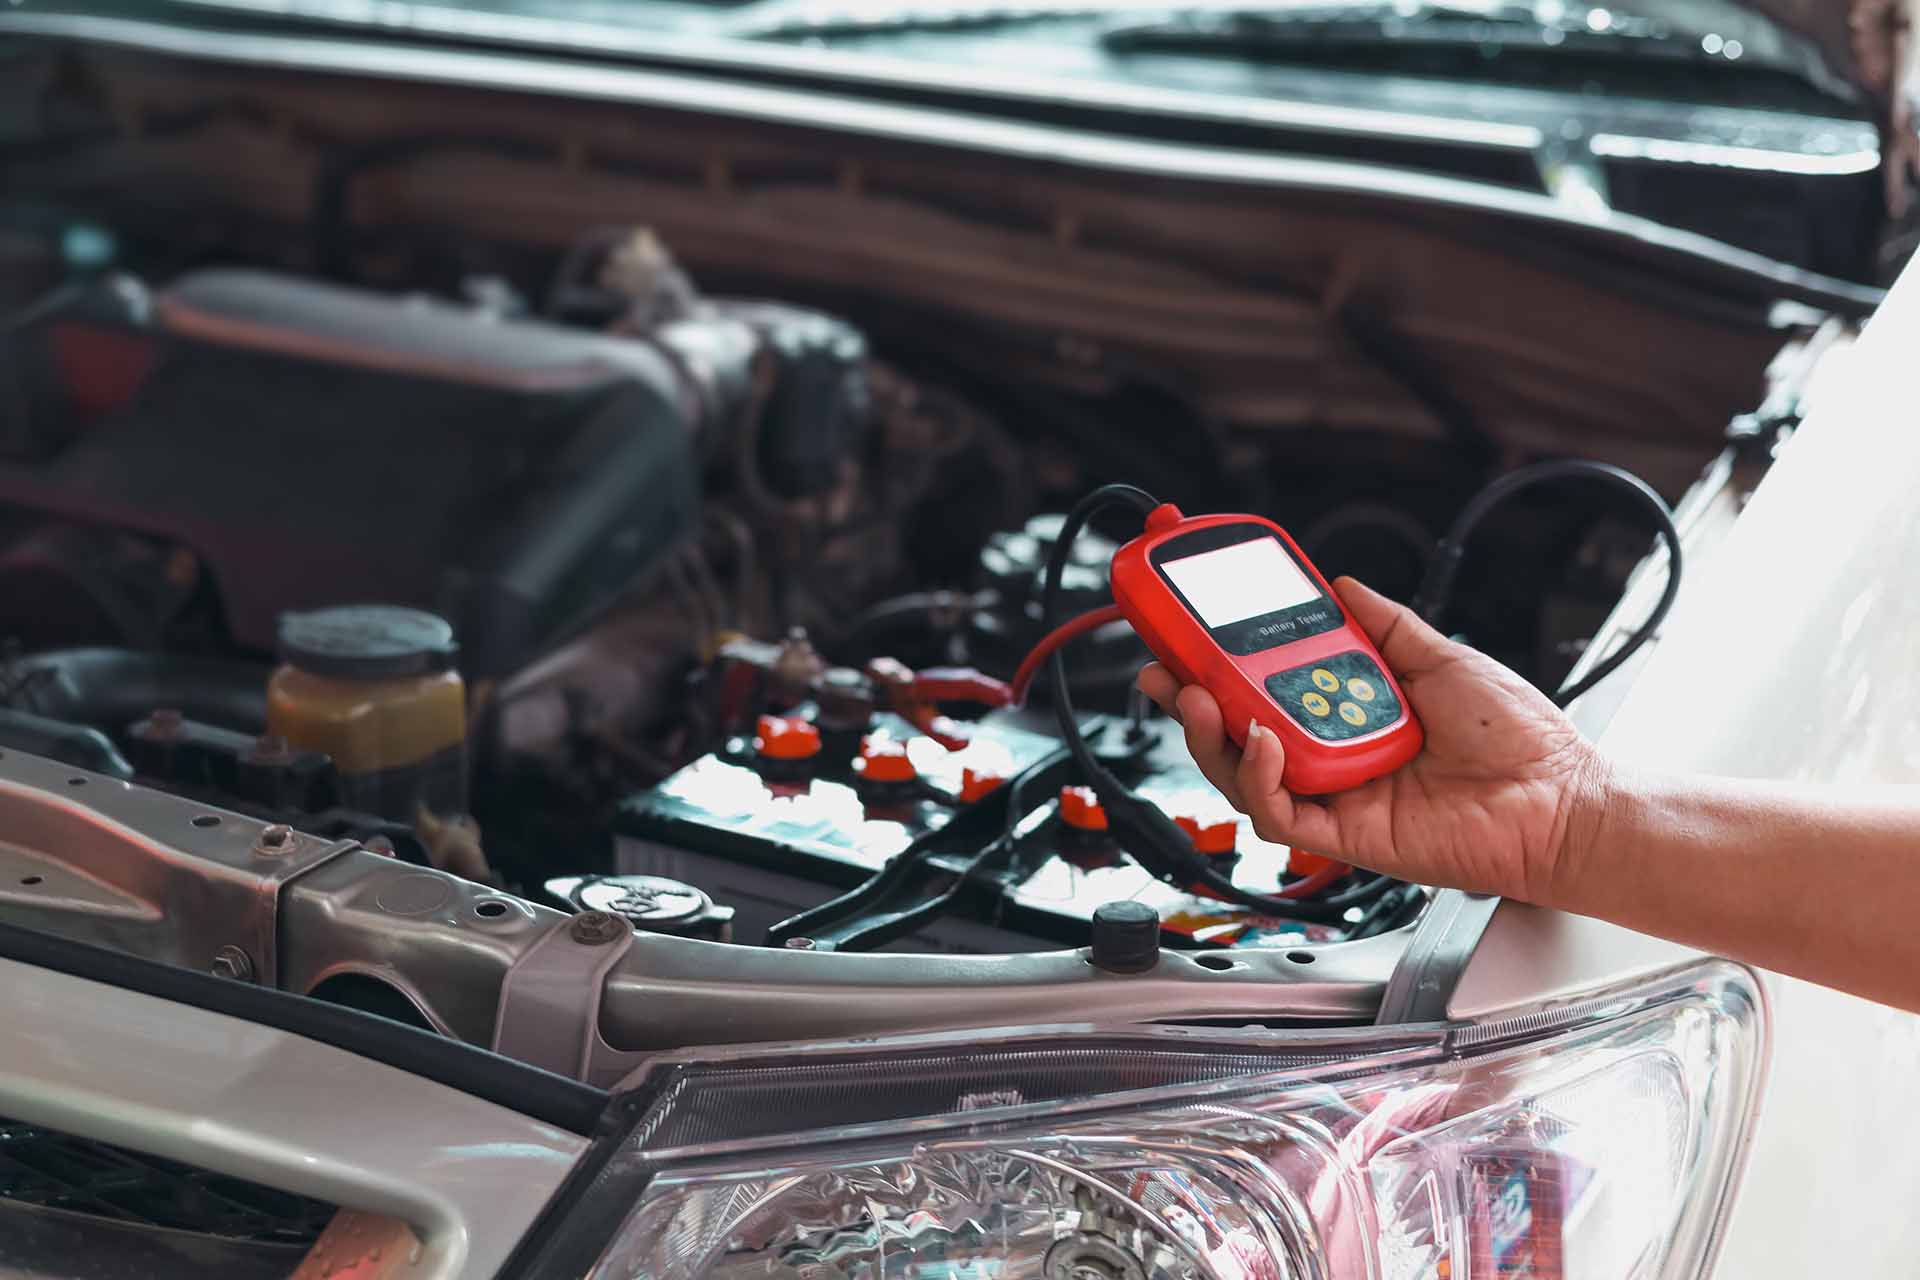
(1315, 704)
(1351, 714)
(1325, 681)
(1360, 689)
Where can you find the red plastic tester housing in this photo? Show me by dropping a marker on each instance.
(1230, 603)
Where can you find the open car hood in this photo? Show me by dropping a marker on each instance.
(1869, 44)
(1864, 42)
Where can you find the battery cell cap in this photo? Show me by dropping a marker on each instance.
(978, 784)
(1080, 809)
(786, 738)
(884, 760)
(1302, 863)
(1210, 837)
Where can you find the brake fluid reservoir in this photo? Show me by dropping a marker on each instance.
(374, 687)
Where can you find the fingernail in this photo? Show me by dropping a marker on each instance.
(1253, 732)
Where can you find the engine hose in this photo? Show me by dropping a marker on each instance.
(112, 688)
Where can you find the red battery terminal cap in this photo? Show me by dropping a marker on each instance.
(1210, 837)
(786, 738)
(1080, 809)
(978, 784)
(1302, 863)
(884, 760)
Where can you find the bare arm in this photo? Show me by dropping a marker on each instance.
(1507, 798)
(1819, 882)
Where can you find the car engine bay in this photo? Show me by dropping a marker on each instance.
(558, 580)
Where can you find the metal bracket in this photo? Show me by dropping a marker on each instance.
(549, 1014)
(1443, 942)
(102, 860)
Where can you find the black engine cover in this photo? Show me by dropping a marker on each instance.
(316, 445)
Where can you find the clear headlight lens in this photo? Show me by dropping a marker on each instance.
(1595, 1140)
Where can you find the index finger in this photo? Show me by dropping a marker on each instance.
(1404, 639)
(1162, 686)
(1207, 742)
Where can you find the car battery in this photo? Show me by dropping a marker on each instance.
(776, 825)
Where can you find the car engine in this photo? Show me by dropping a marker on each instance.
(448, 594)
(516, 575)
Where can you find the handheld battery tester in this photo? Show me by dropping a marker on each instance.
(1230, 603)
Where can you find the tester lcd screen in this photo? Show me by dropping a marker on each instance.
(1242, 581)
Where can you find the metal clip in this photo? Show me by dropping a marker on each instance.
(549, 1012)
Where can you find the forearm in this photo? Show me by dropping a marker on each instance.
(1821, 883)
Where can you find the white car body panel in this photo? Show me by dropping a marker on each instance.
(1796, 657)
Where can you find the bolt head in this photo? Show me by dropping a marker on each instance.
(274, 839)
(231, 962)
(800, 944)
(596, 928)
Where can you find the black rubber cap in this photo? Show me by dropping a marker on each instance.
(1126, 937)
(367, 642)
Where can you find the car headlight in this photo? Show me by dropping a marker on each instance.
(1600, 1138)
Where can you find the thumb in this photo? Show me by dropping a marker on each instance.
(1409, 645)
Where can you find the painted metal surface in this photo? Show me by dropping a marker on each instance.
(161, 876)
(143, 871)
(1010, 140)
(274, 1108)
(1059, 59)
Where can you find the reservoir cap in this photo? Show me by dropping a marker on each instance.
(367, 642)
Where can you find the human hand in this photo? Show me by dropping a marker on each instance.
(1500, 800)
